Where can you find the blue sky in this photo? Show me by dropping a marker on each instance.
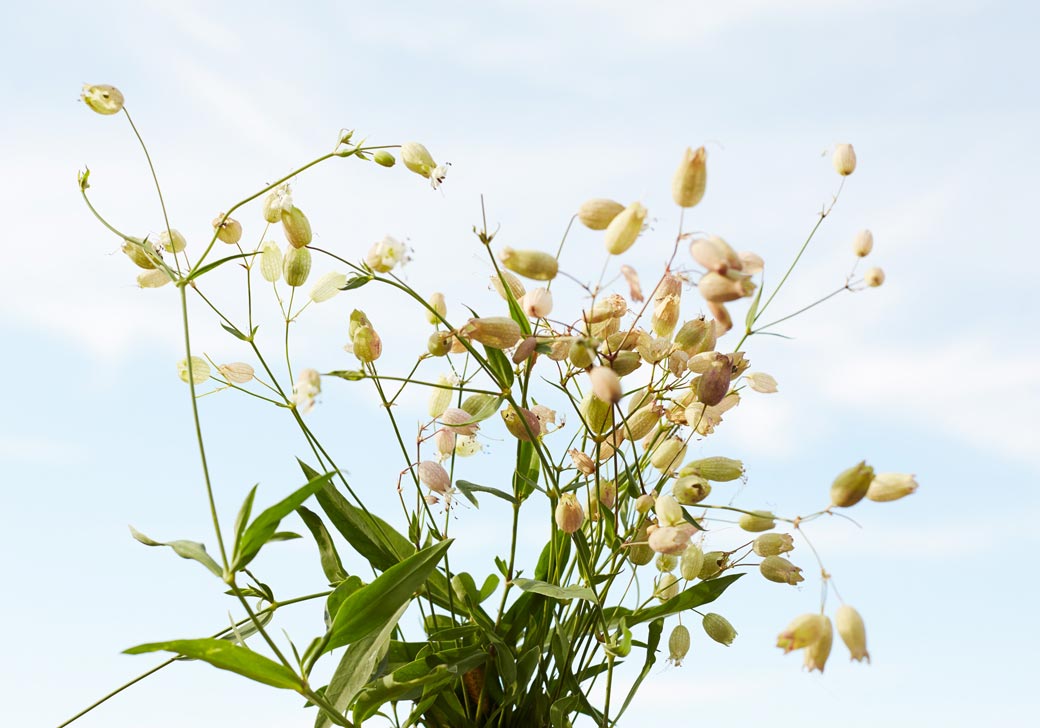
(538, 106)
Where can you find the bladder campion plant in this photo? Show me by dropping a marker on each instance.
(538, 641)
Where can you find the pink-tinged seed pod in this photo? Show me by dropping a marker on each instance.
(367, 345)
(852, 632)
(515, 285)
(752, 263)
(459, 421)
(444, 440)
(297, 227)
(780, 570)
(722, 320)
(521, 425)
(863, 243)
(668, 510)
(773, 544)
(718, 628)
(874, 277)
(670, 285)
(498, 332)
(718, 288)
(623, 230)
(713, 385)
(236, 372)
(525, 350)
(537, 303)
(671, 539)
(891, 486)
(569, 514)
(635, 291)
(691, 563)
(296, 266)
(532, 264)
(608, 493)
(851, 485)
(228, 230)
(715, 254)
(434, 476)
(102, 98)
(691, 178)
(596, 214)
(802, 632)
(757, 521)
(844, 159)
(606, 384)
(582, 462)
(817, 653)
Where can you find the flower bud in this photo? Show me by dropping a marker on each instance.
(497, 332)
(102, 98)
(844, 159)
(237, 372)
(515, 285)
(690, 178)
(668, 455)
(671, 539)
(666, 562)
(678, 644)
(153, 278)
(228, 230)
(384, 158)
(279, 200)
(610, 307)
(606, 385)
(172, 241)
(297, 227)
(438, 304)
(718, 288)
(597, 213)
(625, 228)
(639, 552)
(852, 632)
(874, 277)
(863, 243)
(891, 486)
(645, 502)
(715, 254)
(714, 563)
(695, 337)
(852, 485)
(532, 264)
(760, 382)
(141, 252)
(580, 354)
(459, 421)
(757, 521)
(717, 469)
(713, 385)
(817, 653)
(296, 266)
(197, 372)
(417, 159)
(595, 413)
(582, 462)
(270, 261)
(434, 476)
(569, 514)
(691, 489)
(802, 632)
(521, 425)
(692, 562)
(667, 587)
(537, 303)
(440, 397)
(773, 544)
(386, 254)
(625, 362)
(328, 286)
(780, 570)
(366, 342)
(439, 343)
(718, 628)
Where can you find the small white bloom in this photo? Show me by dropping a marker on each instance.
(467, 445)
(386, 254)
(278, 201)
(437, 175)
(760, 382)
(306, 390)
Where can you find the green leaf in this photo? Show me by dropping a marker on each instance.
(525, 477)
(466, 488)
(339, 595)
(356, 282)
(369, 607)
(185, 549)
(235, 332)
(489, 587)
(349, 374)
(262, 530)
(228, 656)
(652, 640)
(244, 513)
(561, 709)
(695, 596)
(481, 406)
(501, 366)
(216, 264)
(562, 593)
(749, 320)
(330, 561)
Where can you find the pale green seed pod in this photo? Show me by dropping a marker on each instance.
(678, 644)
(668, 455)
(891, 486)
(172, 241)
(817, 653)
(773, 544)
(279, 200)
(780, 570)
(716, 469)
(668, 510)
(665, 316)
(153, 278)
(696, 336)
(851, 485)
(439, 305)
(439, 343)
(639, 424)
(199, 370)
(626, 362)
(228, 230)
(623, 230)
(569, 514)
(270, 261)
(596, 214)
(237, 372)
(667, 587)
(596, 413)
(328, 286)
(296, 266)
(440, 397)
(692, 562)
(532, 264)
(691, 489)
(757, 521)
(718, 628)
(803, 631)
(384, 158)
(141, 253)
(852, 632)
(514, 284)
(297, 227)
(640, 553)
(498, 332)
(690, 178)
(580, 354)
(645, 502)
(714, 563)
(666, 562)
(102, 98)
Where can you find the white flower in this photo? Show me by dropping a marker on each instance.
(278, 201)
(307, 388)
(437, 175)
(386, 254)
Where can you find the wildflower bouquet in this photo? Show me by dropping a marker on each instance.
(536, 642)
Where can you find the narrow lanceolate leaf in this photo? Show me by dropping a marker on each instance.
(228, 656)
(466, 488)
(185, 549)
(752, 313)
(368, 608)
(330, 561)
(261, 530)
(695, 596)
(556, 592)
(652, 640)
